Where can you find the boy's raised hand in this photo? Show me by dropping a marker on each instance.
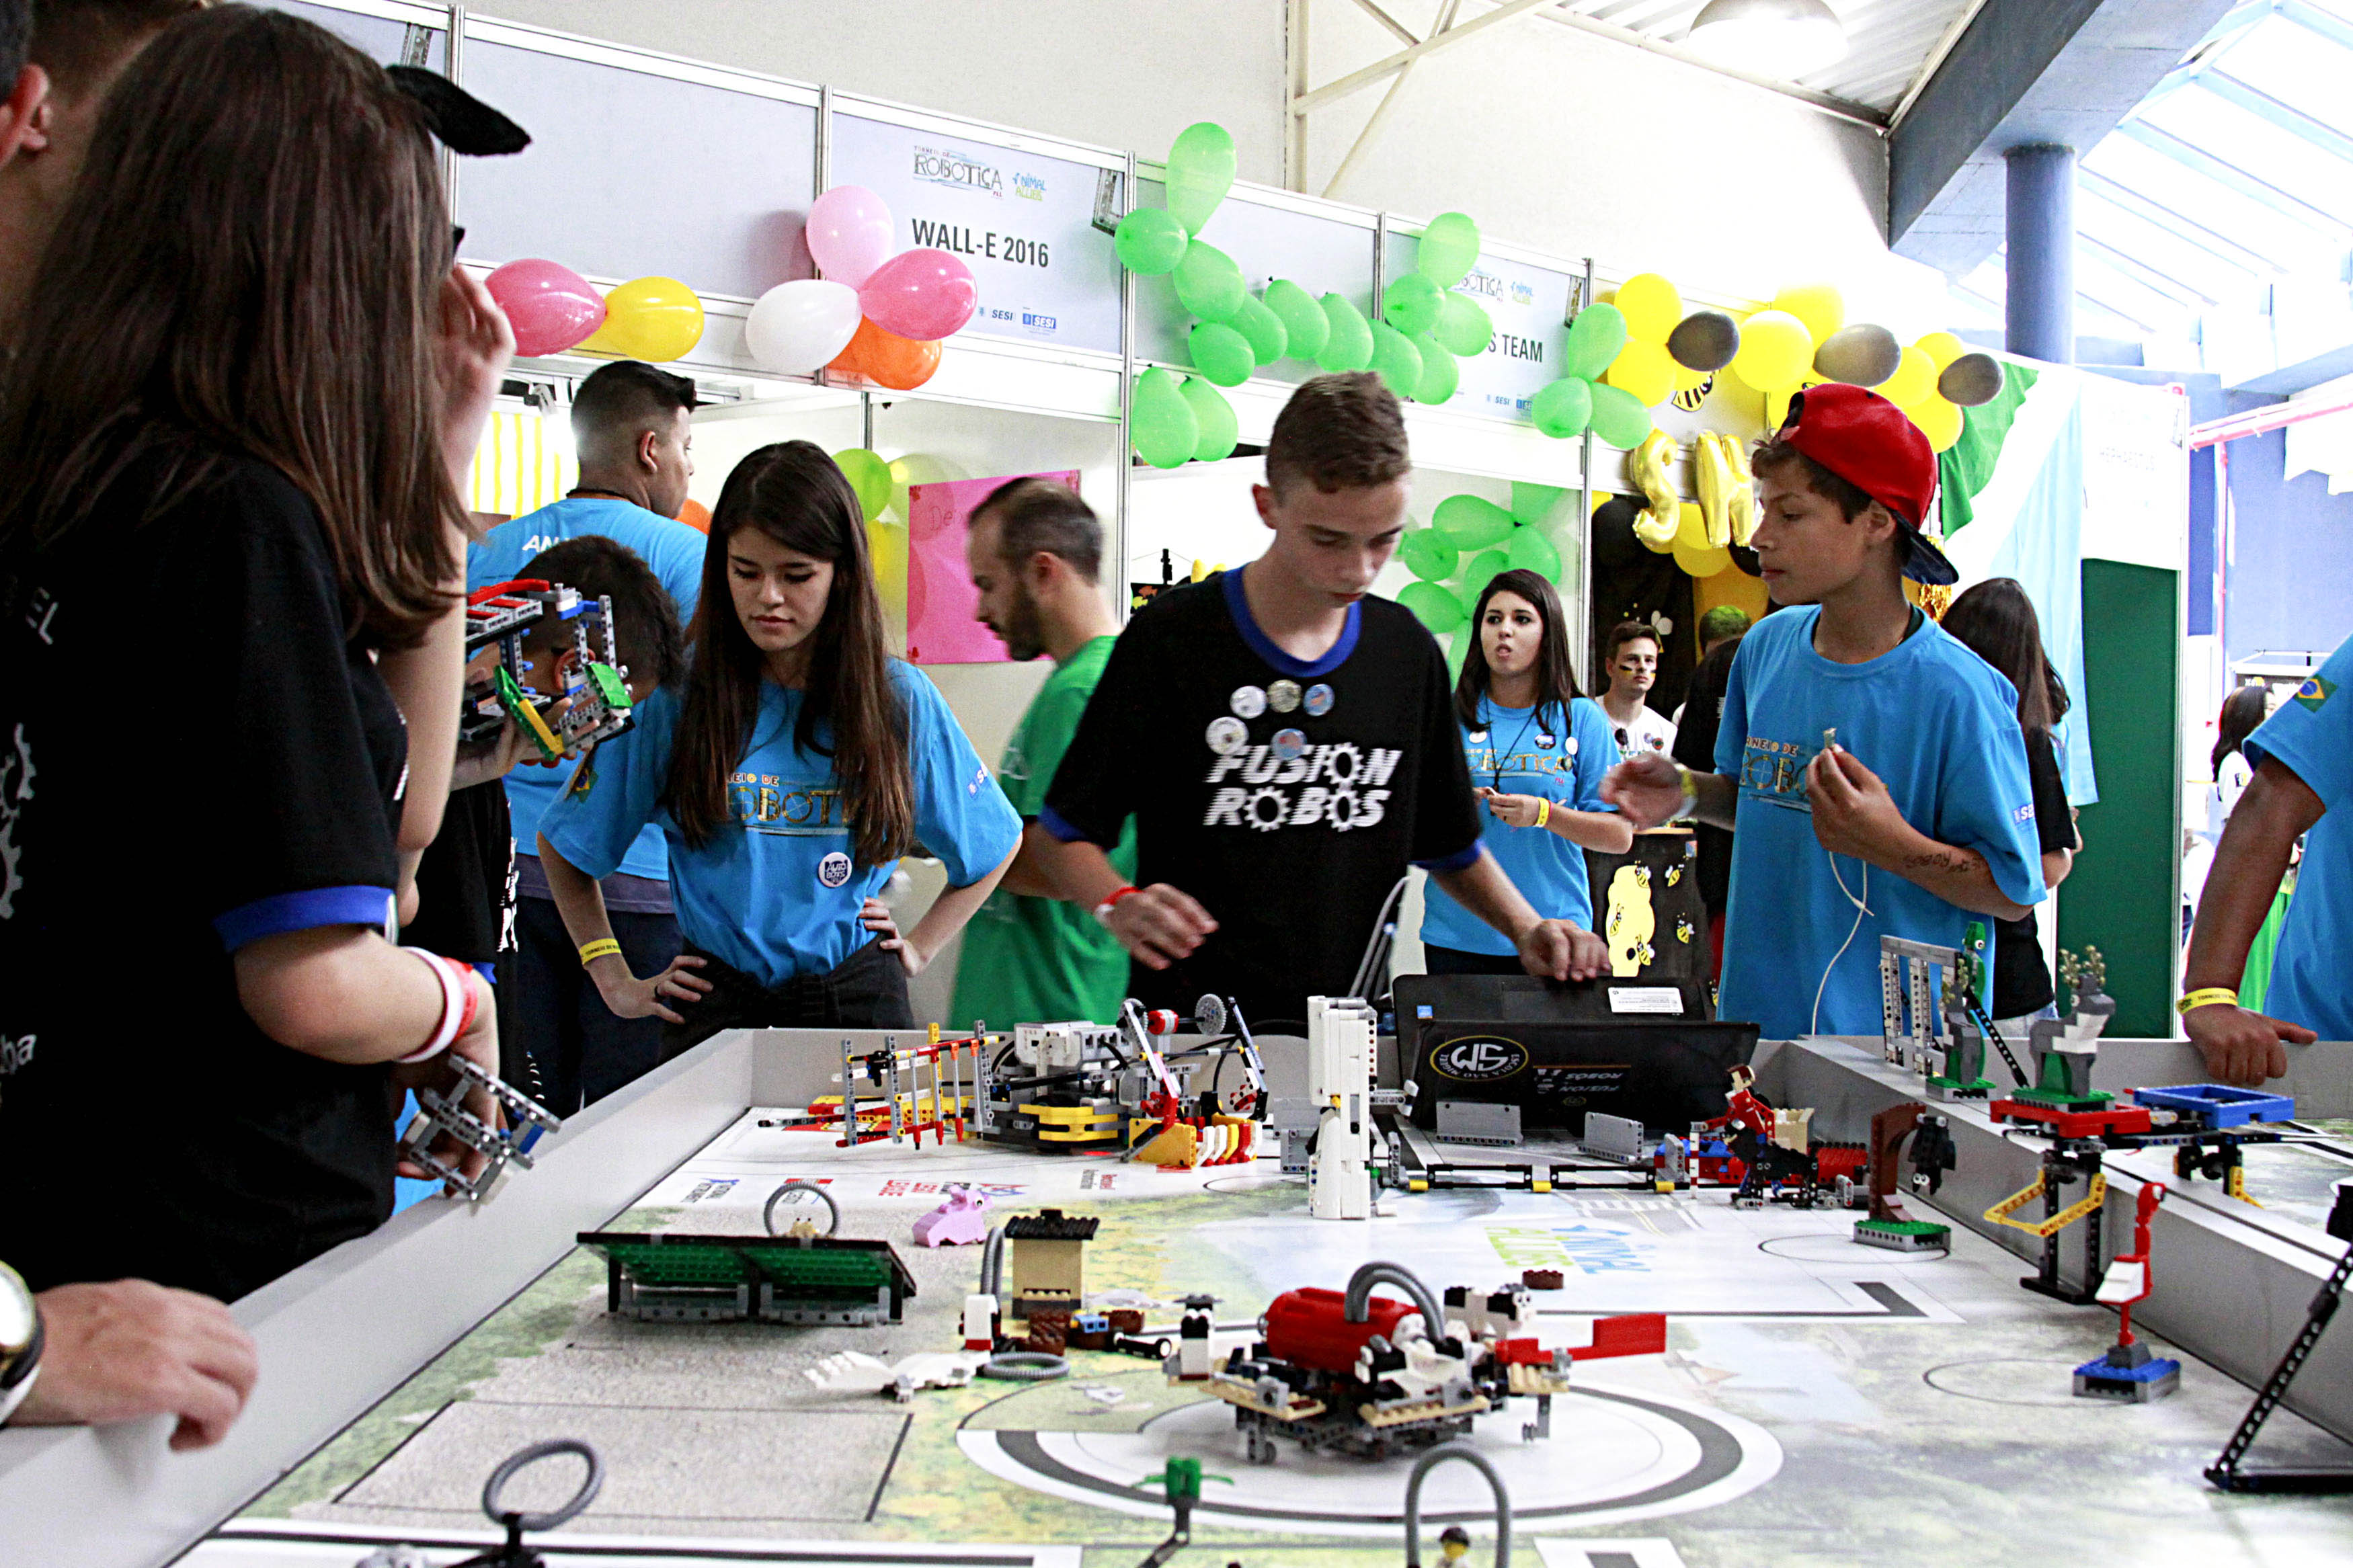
(1647, 791)
(1853, 813)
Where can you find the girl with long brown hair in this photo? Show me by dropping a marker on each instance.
(798, 766)
(1524, 726)
(241, 386)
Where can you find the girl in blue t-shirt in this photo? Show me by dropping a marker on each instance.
(799, 762)
(1537, 752)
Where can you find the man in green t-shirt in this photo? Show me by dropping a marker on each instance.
(1034, 551)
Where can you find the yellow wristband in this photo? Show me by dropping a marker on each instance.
(1544, 812)
(2211, 996)
(590, 951)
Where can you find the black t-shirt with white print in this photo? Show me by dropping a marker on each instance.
(193, 755)
(1287, 796)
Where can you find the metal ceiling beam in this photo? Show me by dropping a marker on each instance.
(2272, 111)
(2312, 19)
(1382, 69)
(2171, 217)
(2158, 139)
(1395, 27)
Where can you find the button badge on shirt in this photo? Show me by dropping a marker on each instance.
(1318, 701)
(1289, 744)
(1283, 696)
(1248, 701)
(834, 870)
(1546, 739)
(1228, 734)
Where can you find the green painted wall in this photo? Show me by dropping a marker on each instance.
(2123, 897)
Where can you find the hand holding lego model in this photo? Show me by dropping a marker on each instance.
(630, 997)
(478, 1043)
(2242, 1048)
(1157, 925)
(130, 1350)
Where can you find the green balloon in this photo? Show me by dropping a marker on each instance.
(1596, 337)
(1411, 304)
(1150, 241)
(1215, 415)
(1209, 284)
(1462, 325)
(868, 475)
(1449, 249)
(1428, 554)
(1161, 422)
(1619, 418)
(1440, 375)
(1221, 353)
(1435, 608)
(1471, 523)
(1269, 338)
(1349, 343)
(1530, 551)
(1201, 173)
(1396, 359)
(1563, 409)
(1304, 321)
(1477, 575)
(1532, 503)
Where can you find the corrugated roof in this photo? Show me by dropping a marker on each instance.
(1887, 40)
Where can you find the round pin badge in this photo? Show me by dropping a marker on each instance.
(834, 870)
(1546, 740)
(1283, 696)
(1228, 734)
(1248, 701)
(1318, 701)
(1572, 745)
(1289, 744)
(1477, 737)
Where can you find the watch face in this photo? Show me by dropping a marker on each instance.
(17, 1315)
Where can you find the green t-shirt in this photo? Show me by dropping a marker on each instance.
(1040, 960)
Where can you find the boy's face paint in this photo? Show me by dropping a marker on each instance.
(1806, 547)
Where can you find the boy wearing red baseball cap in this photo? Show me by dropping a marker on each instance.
(1857, 737)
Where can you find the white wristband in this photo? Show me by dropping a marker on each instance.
(15, 1396)
(453, 1007)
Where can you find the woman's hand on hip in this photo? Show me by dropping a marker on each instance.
(876, 917)
(629, 997)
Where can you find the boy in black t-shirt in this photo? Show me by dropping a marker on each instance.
(1287, 747)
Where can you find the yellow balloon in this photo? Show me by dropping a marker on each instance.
(1691, 527)
(1705, 561)
(1914, 383)
(651, 319)
(1644, 369)
(1819, 305)
(1939, 419)
(886, 546)
(1775, 350)
(1651, 306)
(1942, 348)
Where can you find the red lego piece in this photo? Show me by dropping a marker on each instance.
(1633, 1333)
(1523, 1353)
(2072, 1123)
(1833, 1161)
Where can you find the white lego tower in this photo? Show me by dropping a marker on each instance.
(1340, 1032)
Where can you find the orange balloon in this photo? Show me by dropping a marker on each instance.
(696, 516)
(887, 359)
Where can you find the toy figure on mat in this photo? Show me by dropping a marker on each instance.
(1857, 737)
(1285, 745)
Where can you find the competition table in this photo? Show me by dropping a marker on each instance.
(1819, 1402)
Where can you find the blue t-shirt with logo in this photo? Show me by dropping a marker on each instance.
(1529, 751)
(1939, 726)
(773, 892)
(2312, 737)
(674, 550)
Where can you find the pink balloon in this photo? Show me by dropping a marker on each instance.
(925, 295)
(850, 233)
(551, 307)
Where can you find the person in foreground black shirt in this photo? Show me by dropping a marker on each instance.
(1287, 746)
(220, 511)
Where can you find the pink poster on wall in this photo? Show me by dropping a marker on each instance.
(940, 595)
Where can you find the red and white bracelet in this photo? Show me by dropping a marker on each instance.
(1102, 911)
(458, 1002)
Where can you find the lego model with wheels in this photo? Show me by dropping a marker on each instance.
(1351, 1373)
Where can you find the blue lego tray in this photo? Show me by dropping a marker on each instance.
(2217, 1105)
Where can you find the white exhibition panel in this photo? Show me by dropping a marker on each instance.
(1527, 299)
(390, 32)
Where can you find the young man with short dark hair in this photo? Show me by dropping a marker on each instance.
(632, 425)
(1035, 552)
(1286, 746)
(1943, 808)
(1630, 667)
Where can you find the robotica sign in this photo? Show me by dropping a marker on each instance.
(941, 167)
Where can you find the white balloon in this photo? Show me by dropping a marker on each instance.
(796, 327)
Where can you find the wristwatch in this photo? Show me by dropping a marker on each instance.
(20, 1340)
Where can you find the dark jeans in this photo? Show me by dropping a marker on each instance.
(580, 1050)
(868, 990)
(1454, 960)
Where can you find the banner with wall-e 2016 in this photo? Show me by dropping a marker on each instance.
(1024, 223)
